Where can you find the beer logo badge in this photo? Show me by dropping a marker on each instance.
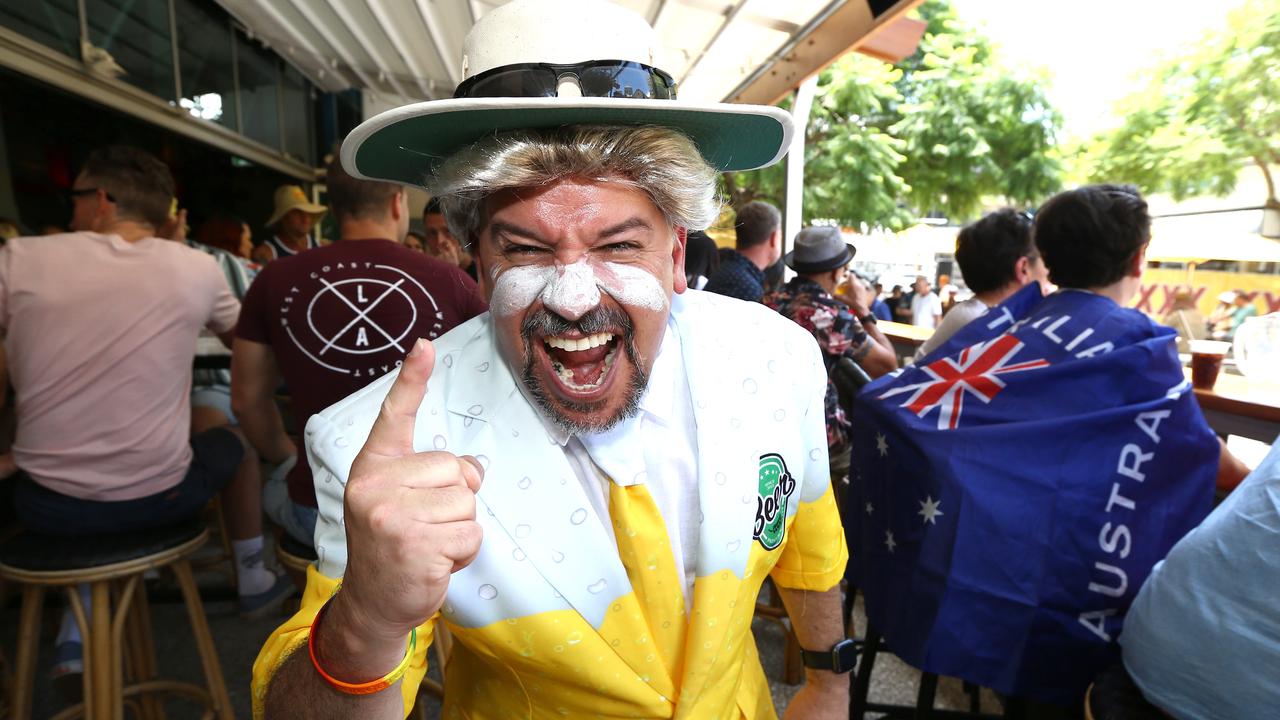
(775, 490)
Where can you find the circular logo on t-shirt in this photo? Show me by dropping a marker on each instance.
(356, 318)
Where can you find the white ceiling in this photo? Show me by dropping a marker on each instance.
(408, 50)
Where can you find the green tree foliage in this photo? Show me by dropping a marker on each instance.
(1207, 110)
(851, 162)
(942, 132)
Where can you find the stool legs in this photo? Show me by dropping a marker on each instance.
(102, 665)
(140, 650)
(28, 644)
(204, 641)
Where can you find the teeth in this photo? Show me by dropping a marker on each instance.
(578, 344)
(566, 375)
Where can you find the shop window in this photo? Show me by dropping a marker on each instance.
(298, 114)
(259, 92)
(205, 61)
(55, 23)
(136, 35)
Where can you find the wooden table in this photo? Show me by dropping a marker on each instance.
(1249, 407)
(906, 338)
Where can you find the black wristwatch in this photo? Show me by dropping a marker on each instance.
(841, 658)
(868, 318)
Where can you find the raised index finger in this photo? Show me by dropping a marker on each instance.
(392, 432)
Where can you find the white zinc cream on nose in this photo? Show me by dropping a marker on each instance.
(572, 290)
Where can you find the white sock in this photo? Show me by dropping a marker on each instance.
(69, 630)
(254, 576)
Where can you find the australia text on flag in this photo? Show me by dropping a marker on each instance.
(1013, 489)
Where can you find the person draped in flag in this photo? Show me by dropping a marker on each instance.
(588, 484)
(842, 324)
(998, 258)
(1013, 488)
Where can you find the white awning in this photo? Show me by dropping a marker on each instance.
(739, 50)
(1232, 236)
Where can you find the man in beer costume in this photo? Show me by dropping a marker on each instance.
(588, 484)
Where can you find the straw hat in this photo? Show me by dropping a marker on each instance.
(819, 249)
(291, 197)
(515, 77)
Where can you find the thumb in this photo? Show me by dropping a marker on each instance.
(392, 432)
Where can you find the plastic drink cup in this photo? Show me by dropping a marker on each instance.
(1206, 362)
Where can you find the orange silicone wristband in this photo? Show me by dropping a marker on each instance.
(366, 688)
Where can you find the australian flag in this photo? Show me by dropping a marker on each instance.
(1011, 491)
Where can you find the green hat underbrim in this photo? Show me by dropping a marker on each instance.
(403, 145)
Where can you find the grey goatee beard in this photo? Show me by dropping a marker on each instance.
(542, 323)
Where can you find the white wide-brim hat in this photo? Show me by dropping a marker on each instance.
(404, 144)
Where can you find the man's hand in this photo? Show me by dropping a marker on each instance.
(410, 520)
(855, 294)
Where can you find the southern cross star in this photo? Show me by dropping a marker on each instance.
(888, 540)
(881, 445)
(929, 510)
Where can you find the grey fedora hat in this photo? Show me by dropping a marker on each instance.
(819, 249)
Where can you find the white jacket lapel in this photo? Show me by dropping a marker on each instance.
(529, 485)
(727, 453)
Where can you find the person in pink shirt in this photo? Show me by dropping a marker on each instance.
(99, 329)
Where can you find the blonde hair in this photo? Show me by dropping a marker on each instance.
(661, 162)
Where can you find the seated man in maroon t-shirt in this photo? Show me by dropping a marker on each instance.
(332, 320)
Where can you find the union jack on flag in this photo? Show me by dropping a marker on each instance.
(975, 370)
(984, 546)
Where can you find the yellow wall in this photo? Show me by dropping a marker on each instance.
(1159, 286)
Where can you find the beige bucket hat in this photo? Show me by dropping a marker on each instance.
(291, 197)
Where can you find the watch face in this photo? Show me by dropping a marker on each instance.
(841, 658)
(846, 655)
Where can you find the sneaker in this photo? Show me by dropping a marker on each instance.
(67, 674)
(260, 605)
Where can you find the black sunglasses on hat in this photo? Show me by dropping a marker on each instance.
(596, 78)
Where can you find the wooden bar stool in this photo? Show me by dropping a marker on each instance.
(112, 566)
(294, 557)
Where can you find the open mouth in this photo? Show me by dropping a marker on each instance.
(582, 364)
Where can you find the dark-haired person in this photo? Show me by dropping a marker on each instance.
(842, 324)
(332, 320)
(416, 241)
(879, 307)
(99, 326)
(229, 241)
(997, 258)
(701, 259)
(440, 240)
(758, 248)
(226, 233)
(1067, 422)
(1094, 239)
